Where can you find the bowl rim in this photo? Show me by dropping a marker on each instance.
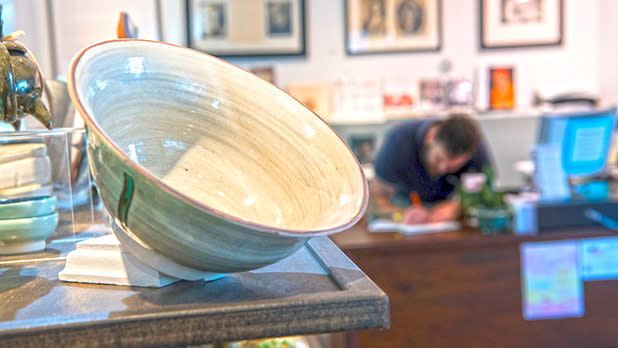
(90, 122)
(26, 200)
(24, 207)
(26, 222)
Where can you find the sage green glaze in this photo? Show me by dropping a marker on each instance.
(27, 207)
(16, 231)
(179, 230)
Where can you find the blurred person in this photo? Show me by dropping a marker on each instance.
(424, 159)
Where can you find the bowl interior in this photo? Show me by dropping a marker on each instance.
(220, 136)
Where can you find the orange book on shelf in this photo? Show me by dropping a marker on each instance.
(502, 94)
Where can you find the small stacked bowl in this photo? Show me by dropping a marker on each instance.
(25, 170)
(25, 223)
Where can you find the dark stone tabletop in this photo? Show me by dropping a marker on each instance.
(316, 290)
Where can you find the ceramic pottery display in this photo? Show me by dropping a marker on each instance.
(205, 163)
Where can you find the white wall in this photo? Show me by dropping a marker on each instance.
(31, 17)
(608, 52)
(80, 23)
(77, 24)
(578, 62)
(571, 66)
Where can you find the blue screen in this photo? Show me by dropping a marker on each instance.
(586, 144)
(584, 139)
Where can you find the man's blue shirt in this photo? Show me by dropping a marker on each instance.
(399, 163)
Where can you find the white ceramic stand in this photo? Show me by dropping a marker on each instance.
(102, 260)
(123, 259)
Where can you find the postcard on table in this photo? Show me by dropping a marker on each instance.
(599, 258)
(382, 225)
(551, 284)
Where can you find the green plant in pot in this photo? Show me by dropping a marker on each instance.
(487, 206)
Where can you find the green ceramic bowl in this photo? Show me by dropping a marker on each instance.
(18, 208)
(26, 234)
(208, 164)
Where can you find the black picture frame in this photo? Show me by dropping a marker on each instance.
(268, 38)
(550, 24)
(395, 38)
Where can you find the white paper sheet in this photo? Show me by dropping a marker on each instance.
(381, 225)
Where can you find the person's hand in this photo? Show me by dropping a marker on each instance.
(415, 215)
(447, 211)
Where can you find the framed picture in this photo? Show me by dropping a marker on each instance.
(267, 73)
(501, 88)
(520, 23)
(239, 28)
(459, 92)
(380, 26)
(432, 94)
(316, 97)
(397, 94)
(363, 147)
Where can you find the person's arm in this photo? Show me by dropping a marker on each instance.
(381, 193)
(444, 211)
(380, 205)
(389, 166)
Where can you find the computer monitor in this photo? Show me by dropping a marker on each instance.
(581, 138)
(572, 146)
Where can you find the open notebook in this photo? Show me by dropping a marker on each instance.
(382, 225)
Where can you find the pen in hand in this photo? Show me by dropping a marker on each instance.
(416, 214)
(415, 199)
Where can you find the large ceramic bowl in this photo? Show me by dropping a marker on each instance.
(206, 163)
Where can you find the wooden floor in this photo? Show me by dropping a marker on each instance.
(462, 289)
